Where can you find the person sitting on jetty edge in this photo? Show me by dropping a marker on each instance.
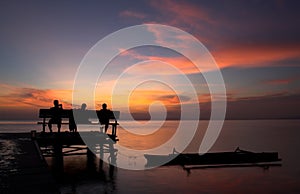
(104, 115)
(56, 115)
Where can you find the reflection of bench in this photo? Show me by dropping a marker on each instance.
(77, 117)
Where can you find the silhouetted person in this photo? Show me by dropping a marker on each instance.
(56, 115)
(82, 115)
(83, 107)
(104, 115)
(81, 118)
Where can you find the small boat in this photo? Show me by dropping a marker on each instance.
(236, 157)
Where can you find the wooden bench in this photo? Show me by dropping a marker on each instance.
(75, 117)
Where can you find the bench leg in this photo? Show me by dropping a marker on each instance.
(44, 124)
(114, 130)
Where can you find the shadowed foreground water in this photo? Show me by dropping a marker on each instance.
(260, 135)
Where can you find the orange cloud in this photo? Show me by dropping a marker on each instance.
(144, 101)
(12, 96)
(253, 56)
(141, 99)
(146, 97)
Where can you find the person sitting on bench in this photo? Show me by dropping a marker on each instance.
(81, 118)
(82, 115)
(56, 116)
(104, 115)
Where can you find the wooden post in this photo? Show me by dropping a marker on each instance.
(33, 134)
(58, 157)
(44, 124)
(114, 130)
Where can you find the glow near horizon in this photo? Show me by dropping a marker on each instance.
(39, 61)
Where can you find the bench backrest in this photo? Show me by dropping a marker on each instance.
(68, 113)
(48, 113)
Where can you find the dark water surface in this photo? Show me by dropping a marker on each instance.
(282, 136)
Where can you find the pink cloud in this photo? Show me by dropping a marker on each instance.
(255, 56)
(183, 12)
(279, 81)
(132, 14)
(185, 15)
(198, 19)
(258, 55)
(179, 62)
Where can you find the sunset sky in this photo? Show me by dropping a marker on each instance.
(256, 45)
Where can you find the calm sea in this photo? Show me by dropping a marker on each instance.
(282, 136)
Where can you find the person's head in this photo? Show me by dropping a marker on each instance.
(55, 102)
(83, 106)
(104, 106)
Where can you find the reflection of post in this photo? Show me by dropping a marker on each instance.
(112, 153)
(90, 160)
(112, 159)
(58, 158)
(111, 171)
(101, 154)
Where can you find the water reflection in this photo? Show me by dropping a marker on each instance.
(87, 173)
(280, 135)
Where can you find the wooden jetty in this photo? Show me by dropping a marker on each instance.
(73, 143)
(62, 144)
(30, 173)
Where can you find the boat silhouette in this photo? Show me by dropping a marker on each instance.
(238, 156)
